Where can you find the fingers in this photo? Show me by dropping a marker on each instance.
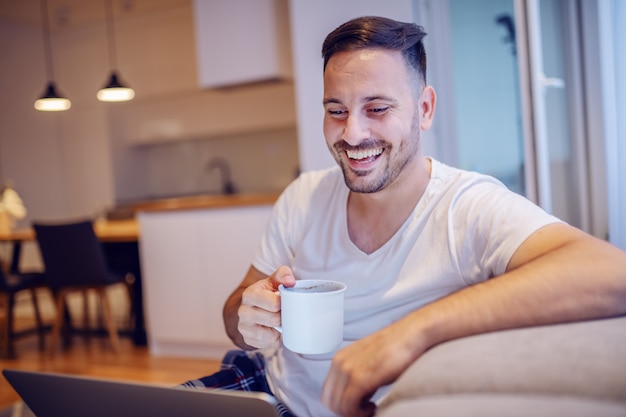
(283, 275)
(344, 393)
(259, 311)
(256, 327)
(261, 295)
(257, 316)
(358, 370)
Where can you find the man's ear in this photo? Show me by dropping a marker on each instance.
(427, 103)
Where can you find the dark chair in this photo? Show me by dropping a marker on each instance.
(75, 262)
(11, 284)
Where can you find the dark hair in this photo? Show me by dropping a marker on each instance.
(379, 32)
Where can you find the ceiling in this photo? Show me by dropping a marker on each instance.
(64, 13)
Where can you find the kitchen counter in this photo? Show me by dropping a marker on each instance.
(194, 253)
(205, 201)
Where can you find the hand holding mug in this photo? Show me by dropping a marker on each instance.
(259, 312)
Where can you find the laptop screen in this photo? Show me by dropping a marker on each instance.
(53, 395)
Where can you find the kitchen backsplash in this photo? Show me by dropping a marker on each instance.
(258, 162)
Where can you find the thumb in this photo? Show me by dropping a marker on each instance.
(283, 275)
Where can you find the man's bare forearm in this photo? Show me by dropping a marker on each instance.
(561, 285)
(558, 276)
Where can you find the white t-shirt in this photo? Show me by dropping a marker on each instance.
(464, 230)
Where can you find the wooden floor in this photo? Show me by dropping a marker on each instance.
(93, 357)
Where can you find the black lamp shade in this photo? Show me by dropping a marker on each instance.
(51, 100)
(114, 90)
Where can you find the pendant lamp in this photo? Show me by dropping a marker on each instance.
(51, 100)
(114, 90)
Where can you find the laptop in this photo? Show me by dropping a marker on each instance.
(53, 394)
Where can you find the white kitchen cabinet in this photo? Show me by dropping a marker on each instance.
(191, 261)
(241, 41)
(206, 114)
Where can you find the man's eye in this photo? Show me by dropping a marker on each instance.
(379, 109)
(336, 112)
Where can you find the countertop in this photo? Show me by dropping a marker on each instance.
(207, 201)
(106, 230)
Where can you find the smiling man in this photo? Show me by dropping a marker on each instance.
(429, 252)
(364, 125)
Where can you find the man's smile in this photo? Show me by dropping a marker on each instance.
(365, 155)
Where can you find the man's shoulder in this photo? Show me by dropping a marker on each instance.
(448, 174)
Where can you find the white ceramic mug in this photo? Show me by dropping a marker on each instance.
(312, 316)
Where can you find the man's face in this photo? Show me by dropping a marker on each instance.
(372, 119)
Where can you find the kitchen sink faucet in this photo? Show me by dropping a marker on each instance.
(220, 163)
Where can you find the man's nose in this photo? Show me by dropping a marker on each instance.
(355, 129)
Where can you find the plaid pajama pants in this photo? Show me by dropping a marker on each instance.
(240, 371)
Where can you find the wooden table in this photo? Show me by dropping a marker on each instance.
(106, 230)
(120, 242)
(114, 231)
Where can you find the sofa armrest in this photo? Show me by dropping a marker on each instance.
(503, 405)
(583, 359)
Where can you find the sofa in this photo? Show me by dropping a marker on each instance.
(565, 370)
(574, 370)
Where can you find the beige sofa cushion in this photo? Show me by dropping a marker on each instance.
(502, 405)
(585, 360)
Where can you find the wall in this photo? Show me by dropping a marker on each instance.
(57, 162)
(162, 146)
(259, 162)
(312, 21)
(75, 163)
